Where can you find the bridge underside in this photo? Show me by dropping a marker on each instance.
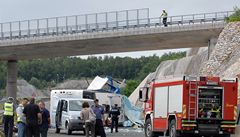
(115, 44)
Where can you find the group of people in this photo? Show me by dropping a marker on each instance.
(33, 120)
(95, 121)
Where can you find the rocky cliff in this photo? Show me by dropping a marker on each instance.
(224, 60)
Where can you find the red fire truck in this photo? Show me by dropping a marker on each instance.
(196, 106)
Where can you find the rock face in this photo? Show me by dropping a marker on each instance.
(225, 54)
(24, 89)
(74, 84)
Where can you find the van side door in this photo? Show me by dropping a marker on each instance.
(58, 117)
(65, 113)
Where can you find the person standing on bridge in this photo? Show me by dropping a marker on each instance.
(33, 119)
(21, 118)
(8, 117)
(43, 127)
(164, 16)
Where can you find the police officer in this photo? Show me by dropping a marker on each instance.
(114, 114)
(8, 117)
(99, 112)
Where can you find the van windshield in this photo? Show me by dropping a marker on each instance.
(75, 105)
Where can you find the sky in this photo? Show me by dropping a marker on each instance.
(15, 10)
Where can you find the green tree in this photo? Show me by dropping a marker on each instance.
(235, 16)
(130, 87)
(37, 83)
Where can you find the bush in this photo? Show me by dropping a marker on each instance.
(130, 87)
(235, 16)
(38, 83)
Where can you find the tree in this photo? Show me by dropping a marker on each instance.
(130, 87)
(235, 16)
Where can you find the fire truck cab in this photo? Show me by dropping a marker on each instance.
(196, 106)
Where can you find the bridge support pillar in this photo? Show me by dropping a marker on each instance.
(211, 44)
(12, 78)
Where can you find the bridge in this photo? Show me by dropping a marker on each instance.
(109, 32)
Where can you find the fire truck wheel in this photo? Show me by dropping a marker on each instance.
(172, 129)
(148, 129)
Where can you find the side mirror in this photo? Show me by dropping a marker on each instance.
(143, 94)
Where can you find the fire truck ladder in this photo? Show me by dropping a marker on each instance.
(193, 95)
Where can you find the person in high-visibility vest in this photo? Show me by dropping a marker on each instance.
(216, 112)
(164, 16)
(21, 118)
(8, 117)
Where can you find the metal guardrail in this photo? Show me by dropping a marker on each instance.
(99, 22)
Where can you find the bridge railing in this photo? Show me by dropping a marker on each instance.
(111, 21)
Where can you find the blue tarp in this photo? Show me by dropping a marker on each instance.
(133, 113)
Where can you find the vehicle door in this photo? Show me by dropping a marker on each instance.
(65, 112)
(58, 117)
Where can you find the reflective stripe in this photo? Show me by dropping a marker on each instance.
(235, 113)
(8, 109)
(184, 111)
(189, 125)
(19, 118)
(228, 126)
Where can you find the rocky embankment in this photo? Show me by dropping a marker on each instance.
(225, 58)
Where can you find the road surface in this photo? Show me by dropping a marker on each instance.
(123, 132)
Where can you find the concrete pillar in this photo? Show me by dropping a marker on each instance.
(211, 44)
(12, 78)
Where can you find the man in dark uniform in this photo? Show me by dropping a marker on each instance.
(33, 119)
(99, 112)
(114, 114)
(8, 119)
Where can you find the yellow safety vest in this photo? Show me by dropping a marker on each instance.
(164, 14)
(215, 110)
(8, 109)
(19, 116)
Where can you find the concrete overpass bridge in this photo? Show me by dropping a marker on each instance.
(110, 32)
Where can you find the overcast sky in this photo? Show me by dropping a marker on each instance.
(14, 10)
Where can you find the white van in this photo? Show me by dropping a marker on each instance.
(65, 108)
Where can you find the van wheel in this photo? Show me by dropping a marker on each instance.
(148, 129)
(69, 131)
(173, 130)
(57, 129)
